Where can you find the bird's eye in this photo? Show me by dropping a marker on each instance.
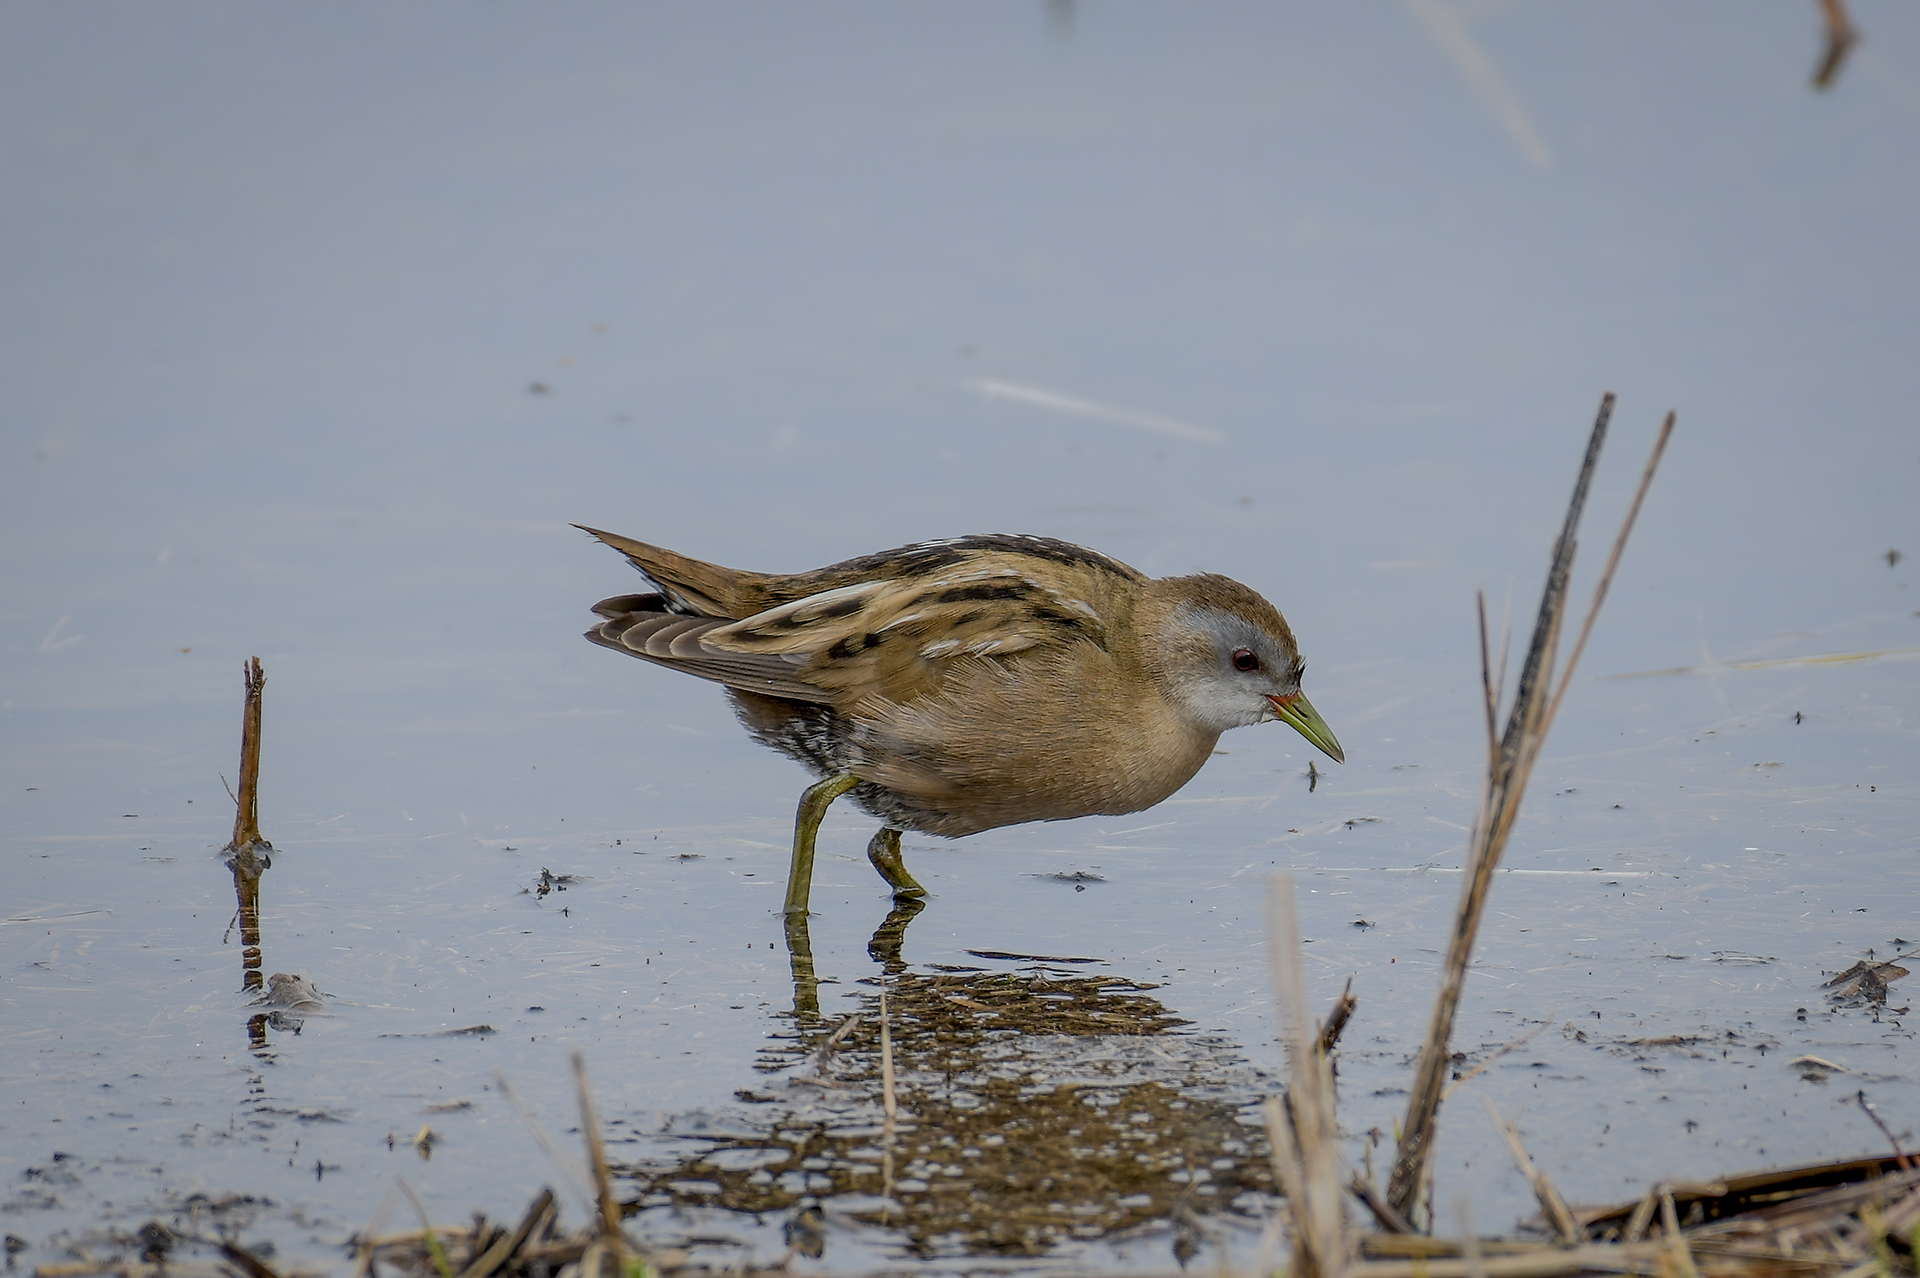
(1245, 659)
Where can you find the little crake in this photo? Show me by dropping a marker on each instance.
(960, 685)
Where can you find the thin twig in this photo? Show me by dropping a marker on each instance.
(379, 1218)
(1303, 1132)
(1538, 667)
(1490, 695)
(1387, 1218)
(1508, 771)
(1842, 35)
(1470, 1252)
(577, 1177)
(434, 1246)
(1613, 562)
(1906, 1164)
(1506, 643)
(1552, 1206)
(1483, 1066)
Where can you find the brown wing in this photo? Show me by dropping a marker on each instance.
(897, 639)
(641, 626)
(890, 626)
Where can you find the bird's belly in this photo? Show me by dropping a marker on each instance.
(960, 793)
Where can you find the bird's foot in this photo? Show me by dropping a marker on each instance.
(884, 851)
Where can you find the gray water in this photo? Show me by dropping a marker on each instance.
(321, 327)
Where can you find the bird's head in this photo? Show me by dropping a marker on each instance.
(1227, 657)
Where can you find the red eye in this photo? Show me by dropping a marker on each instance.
(1244, 659)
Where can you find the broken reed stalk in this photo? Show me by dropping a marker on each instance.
(242, 1259)
(602, 1177)
(1511, 757)
(508, 1245)
(246, 816)
(1336, 1022)
(247, 854)
(1301, 1128)
(1681, 1254)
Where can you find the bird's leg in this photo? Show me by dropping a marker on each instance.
(806, 823)
(884, 852)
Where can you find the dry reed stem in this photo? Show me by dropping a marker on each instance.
(1676, 1241)
(1510, 764)
(1613, 562)
(1842, 35)
(1303, 1130)
(1386, 1217)
(1470, 1252)
(1642, 1216)
(484, 1265)
(1550, 1263)
(602, 1177)
(248, 1263)
(1552, 1206)
(1336, 1022)
(1487, 681)
(246, 814)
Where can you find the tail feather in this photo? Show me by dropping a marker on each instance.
(691, 585)
(642, 626)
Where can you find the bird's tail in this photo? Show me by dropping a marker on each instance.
(691, 585)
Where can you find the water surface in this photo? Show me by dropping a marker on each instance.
(320, 331)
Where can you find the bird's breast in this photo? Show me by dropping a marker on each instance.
(1002, 754)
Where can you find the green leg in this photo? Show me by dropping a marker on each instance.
(806, 823)
(884, 852)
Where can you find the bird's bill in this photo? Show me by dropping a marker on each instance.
(1298, 713)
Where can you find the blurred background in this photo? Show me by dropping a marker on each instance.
(320, 325)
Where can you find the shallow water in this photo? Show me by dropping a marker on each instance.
(324, 375)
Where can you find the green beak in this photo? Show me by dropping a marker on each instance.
(1298, 713)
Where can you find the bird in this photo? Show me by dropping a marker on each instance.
(968, 683)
